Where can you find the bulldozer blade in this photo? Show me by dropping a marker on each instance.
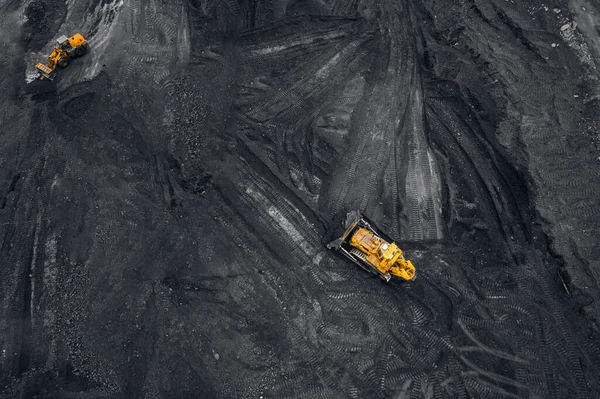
(335, 244)
(352, 220)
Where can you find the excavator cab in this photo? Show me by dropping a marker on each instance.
(65, 49)
(362, 244)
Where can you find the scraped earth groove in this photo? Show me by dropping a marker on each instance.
(165, 202)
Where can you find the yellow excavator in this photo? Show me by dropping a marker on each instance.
(65, 49)
(362, 244)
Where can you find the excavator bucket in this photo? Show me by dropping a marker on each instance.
(44, 70)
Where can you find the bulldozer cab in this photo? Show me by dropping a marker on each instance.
(385, 251)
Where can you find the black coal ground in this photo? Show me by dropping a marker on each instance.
(163, 223)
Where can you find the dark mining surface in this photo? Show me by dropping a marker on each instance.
(165, 202)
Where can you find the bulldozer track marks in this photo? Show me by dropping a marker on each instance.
(540, 94)
(389, 80)
(588, 212)
(340, 346)
(310, 85)
(580, 193)
(151, 54)
(343, 330)
(283, 47)
(499, 196)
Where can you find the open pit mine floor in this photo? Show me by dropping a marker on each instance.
(166, 200)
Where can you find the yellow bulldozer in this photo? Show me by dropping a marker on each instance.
(65, 49)
(366, 247)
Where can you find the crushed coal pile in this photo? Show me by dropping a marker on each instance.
(166, 199)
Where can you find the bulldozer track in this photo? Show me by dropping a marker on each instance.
(282, 47)
(371, 183)
(304, 86)
(350, 174)
(579, 193)
(284, 206)
(344, 8)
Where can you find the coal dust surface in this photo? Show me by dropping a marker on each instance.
(166, 200)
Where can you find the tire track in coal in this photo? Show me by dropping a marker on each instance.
(368, 117)
(351, 300)
(379, 124)
(512, 327)
(285, 291)
(34, 328)
(582, 386)
(22, 266)
(162, 29)
(27, 317)
(382, 155)
(489, 390)
(297, 141)
(159, 42)
(459, 390)
(282, 217)
(283, 45)
(303, 104)
(423, 211)
(541, 94)
(406, 341)
(310, 41)
(563, 170)
(553, 335)
(564, 173)
(344, 7)
(289, 92)
(484, 348)
(422, 190)
(495, 191)
(318, 23)
(582, 193)
(315, 81)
